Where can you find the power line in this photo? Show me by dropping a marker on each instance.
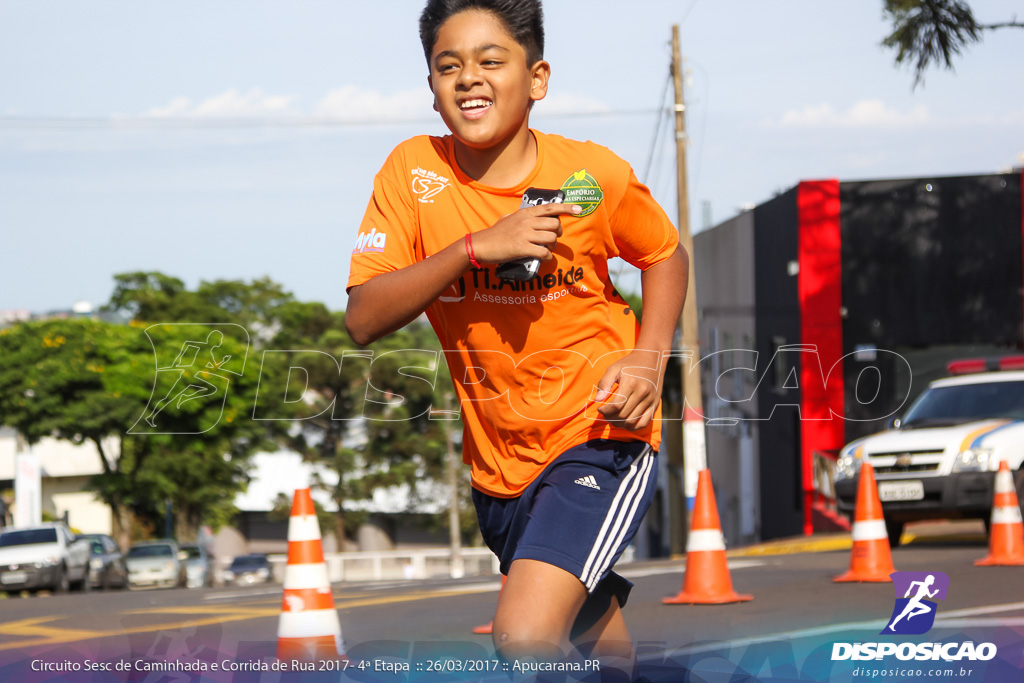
(113, 123)
(662, 111)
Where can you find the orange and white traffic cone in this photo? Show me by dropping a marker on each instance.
(707, 580)
(871, 558)
(487, 628)
(309, 628)
(1006, 532)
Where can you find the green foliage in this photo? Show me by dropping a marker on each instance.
(365, 413)
(89, 380)
(929, 32)
(157, 298)
(66, 378)
(369, 418)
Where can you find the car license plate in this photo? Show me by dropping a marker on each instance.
(13, 577)
(890, 491)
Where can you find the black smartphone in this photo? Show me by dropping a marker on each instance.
(526, 268)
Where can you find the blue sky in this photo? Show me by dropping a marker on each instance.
(239, 139)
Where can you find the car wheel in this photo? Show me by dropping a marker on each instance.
(895, 531)
(62, 584)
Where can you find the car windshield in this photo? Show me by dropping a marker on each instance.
(960, 403)
(97, 548)
(248, 562)
(28, 537)
(151, 551)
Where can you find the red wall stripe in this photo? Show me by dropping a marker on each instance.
(819, 286)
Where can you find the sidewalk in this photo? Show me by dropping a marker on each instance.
(927, 532)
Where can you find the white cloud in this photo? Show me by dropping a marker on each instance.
(352, 103)
(229, 104)
(348, 103)
(863, 114)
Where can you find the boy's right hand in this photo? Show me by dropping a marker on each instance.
(532, 232)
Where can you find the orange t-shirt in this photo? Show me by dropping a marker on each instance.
(525, 357)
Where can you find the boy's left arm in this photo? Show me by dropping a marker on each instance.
(639, 374)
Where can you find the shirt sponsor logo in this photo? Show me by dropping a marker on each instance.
(427, 184)
(490, 289)
(372, 241)
(582, 189)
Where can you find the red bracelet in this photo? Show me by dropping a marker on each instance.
(469, 251)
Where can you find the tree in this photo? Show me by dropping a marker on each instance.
(87, 380)
(200, 468)
(154, 297)
(367, 411)
(57, 378)
(934, 31)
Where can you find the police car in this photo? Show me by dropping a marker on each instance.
(940, 459)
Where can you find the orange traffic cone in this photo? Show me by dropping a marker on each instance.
(707, 580)
(309, 628)
(1006, 533)
(486, 629)
(870, 559)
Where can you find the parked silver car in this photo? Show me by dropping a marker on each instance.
(106, 566)
(155, 564)
(198, 566)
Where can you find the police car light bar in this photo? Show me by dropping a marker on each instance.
(972, 365)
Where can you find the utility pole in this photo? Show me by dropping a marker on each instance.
(691, 457)
(454, 532)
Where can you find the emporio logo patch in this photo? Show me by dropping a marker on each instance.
(582, 189)
(914, 613)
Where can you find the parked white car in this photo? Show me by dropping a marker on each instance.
(48, 556)
(939, 460)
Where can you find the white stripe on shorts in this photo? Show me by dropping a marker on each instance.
(608, 519)
(618, 519)
(624, 522)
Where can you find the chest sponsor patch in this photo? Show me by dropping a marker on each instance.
(582, 189)
(427, 184)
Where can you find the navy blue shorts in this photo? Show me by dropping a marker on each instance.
(579, 514)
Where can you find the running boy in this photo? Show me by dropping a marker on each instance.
(558, 383)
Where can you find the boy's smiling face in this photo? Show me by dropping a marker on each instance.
(481, 81)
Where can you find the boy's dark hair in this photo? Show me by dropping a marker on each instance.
(523, 19)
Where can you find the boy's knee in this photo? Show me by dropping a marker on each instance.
(526, 640)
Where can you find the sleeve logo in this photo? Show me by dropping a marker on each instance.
(582, 189)
(372, 241)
